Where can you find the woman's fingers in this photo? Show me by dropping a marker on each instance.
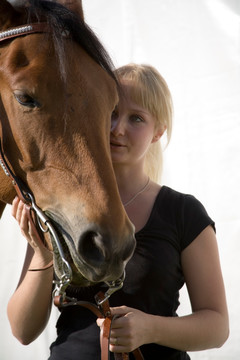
(24, 221)
(127, 329)
(19, 212)
(14, 208)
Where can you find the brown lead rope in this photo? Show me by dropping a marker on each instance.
(102, 311)
(106, 330)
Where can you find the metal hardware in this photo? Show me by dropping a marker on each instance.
(66, 270)
(15, 31)
(113, 287)
(4, 167)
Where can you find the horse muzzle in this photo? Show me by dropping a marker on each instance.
(95, 255)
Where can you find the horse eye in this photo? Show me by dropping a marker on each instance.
(26, 100)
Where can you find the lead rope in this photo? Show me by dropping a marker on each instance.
(101, 310)
(106, 333)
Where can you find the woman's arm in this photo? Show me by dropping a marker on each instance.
(30, 305)
(207, 326)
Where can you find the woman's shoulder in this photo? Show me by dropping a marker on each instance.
(183, 213)
(177, 200)
(183, 207)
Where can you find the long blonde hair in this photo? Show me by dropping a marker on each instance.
(150, 91)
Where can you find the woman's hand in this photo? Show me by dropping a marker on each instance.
(129, 329)
(19, 212)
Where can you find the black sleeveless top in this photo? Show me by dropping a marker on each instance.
(153, 279)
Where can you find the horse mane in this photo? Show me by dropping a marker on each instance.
(60, 19)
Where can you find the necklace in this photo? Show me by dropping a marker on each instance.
(138, 193)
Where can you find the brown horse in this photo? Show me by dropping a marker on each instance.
(57, 92)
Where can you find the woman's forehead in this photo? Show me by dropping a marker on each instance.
(131, 91)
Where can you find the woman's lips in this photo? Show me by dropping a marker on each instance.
(117, 144)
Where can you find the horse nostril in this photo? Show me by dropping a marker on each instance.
(92, 248)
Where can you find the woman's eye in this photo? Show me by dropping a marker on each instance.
(25, 99)
(137, 119)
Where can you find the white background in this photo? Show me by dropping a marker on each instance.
(195, 44)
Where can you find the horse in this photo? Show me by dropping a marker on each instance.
(57, 93)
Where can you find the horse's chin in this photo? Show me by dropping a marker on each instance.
(79, 281)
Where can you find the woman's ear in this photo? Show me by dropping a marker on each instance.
(158, 133)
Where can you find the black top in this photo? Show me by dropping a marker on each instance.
(153, 279)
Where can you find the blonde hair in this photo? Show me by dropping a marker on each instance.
(150, 91)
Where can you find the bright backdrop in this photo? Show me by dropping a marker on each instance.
(196, 47)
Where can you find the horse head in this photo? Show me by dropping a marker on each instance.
(57, 92)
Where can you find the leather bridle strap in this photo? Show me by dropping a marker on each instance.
(24, 30)
(102, 311)
(23, 193)
(19, 186)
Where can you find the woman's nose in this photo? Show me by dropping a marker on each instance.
(117, 127)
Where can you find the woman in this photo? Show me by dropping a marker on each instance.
(176, 243)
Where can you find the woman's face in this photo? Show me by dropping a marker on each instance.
(132, 130)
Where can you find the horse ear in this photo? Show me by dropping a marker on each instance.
(73, 5)
(6, 14)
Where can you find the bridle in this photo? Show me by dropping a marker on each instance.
(42, 224)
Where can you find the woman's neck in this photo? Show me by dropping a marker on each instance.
(130, 181)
